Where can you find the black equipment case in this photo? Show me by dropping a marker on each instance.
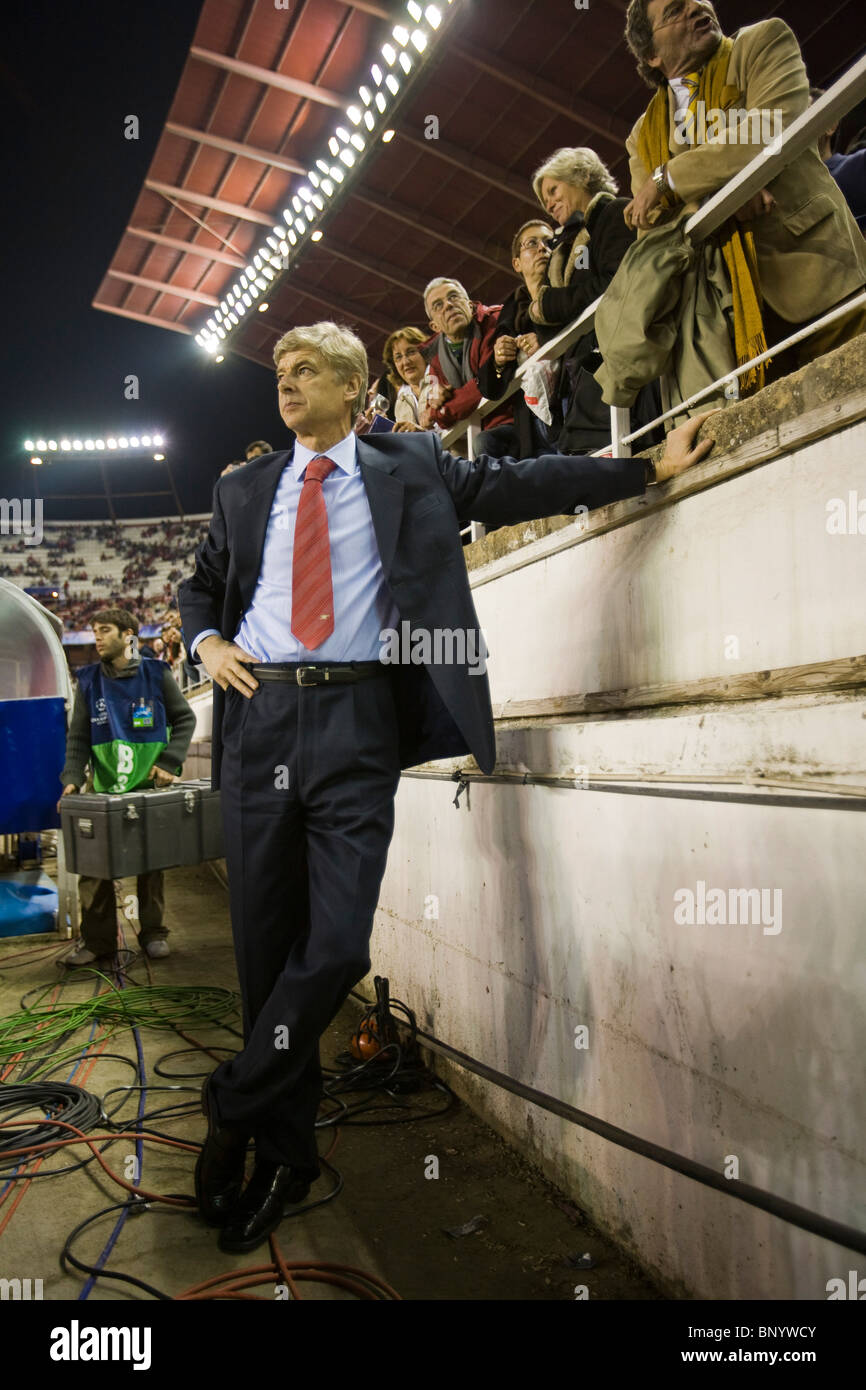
(109, 835)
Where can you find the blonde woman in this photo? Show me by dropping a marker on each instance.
(578, 192)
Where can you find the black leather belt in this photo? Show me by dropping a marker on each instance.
(343, 674)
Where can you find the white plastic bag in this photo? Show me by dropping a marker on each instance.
(538, 384)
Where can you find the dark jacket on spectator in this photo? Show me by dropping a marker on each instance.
(849, 171)
(572, 288)
(466, 398)
(514, 320)
(389, 391)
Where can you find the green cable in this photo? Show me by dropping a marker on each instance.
(143, 1006)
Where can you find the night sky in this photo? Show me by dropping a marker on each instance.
(69, 73)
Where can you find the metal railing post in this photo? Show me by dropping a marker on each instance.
(620, 426)
(476, 528)
(665, 391)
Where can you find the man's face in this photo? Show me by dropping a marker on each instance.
(110, 643)
(311, 399)
(686, 34)
(450, 311)
(534, 253)
(253, 454)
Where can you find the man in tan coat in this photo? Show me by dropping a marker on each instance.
(809, 252)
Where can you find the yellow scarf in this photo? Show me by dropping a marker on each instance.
(738, 247)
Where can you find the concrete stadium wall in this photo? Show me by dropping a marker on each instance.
(529, 911)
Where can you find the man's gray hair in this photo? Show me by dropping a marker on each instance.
(340, 348)
(444, 280)
(579, 166)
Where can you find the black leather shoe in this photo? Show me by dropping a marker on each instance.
(260, 1209)
(219, 1169)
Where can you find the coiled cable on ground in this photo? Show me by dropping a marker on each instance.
(57, 1099)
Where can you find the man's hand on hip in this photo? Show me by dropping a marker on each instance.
(680, 450)
(223, 661)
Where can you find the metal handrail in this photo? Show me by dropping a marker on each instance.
(859, 301)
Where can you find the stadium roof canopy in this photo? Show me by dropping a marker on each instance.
(265, 89)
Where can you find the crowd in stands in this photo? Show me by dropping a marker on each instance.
(133, 585)
(788, 255)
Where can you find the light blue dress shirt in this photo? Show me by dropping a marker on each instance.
(363, 605)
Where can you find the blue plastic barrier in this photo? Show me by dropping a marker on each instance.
(32, 754)
(27, 907)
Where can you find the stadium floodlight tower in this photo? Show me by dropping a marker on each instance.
(50, 448)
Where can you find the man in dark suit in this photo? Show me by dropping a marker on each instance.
(312, 556)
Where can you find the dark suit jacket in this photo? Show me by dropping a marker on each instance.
(419, 497)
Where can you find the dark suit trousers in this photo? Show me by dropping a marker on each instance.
(308, 779)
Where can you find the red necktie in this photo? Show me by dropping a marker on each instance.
(312, 591)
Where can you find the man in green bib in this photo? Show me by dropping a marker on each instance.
(133, 726)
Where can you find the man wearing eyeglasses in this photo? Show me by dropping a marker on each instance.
(462, 343)
(516, 333)
(808, 251)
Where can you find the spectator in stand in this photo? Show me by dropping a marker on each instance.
(515, 339)
(378, 402)
(386, 391)
(173, 643)
(799, 253)
(230, 467)
(405, 365)
(176, 653)
(849, 170)
(462, 342)
(257, 449)
(579, 192)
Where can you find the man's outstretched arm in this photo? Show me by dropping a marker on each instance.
(503, 492)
